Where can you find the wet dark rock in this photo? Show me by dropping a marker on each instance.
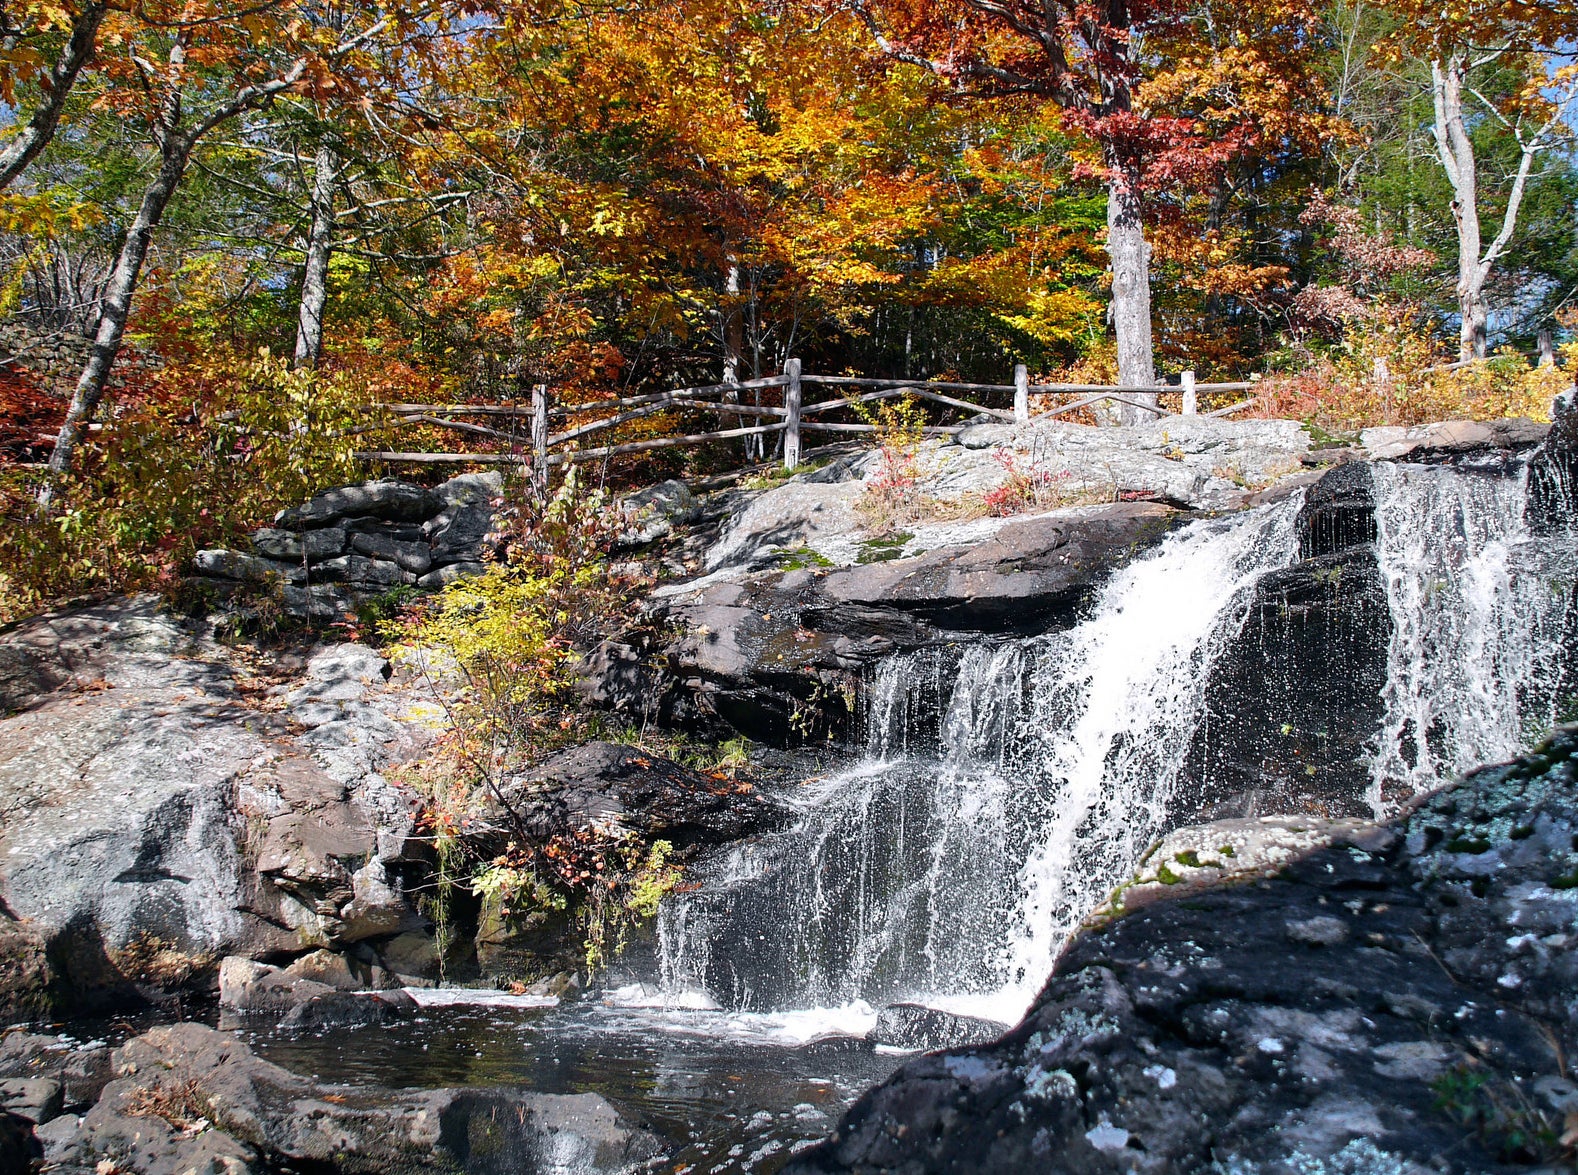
(18, 1148)
(79, 1070)
(1553, 473)
(1338, 512)
(341, 1010)
(611, 785)
(915, 1026)
(1401, 1007)
(189, 1098)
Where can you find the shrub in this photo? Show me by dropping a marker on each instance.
(193, 455)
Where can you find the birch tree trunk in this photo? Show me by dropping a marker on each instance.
(116, 306)
(1130, 256)
(40, 129)
(1455, 150)
(315, 279)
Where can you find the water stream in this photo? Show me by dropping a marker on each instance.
(1006, 786)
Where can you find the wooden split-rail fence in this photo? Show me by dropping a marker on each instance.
(794, 419)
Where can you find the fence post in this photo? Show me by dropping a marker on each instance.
(1021, 393)
(792, 407)
(539, 438)
(1191, 403)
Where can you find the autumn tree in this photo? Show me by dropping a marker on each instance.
(1165, 93)
(180, 72)
(44, 47)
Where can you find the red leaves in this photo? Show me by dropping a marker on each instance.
(29, 418)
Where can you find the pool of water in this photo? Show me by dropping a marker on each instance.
(725, 1091)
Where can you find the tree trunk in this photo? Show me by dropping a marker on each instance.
(117, 306)
(40, 129)
(1455, 150)
(315, 280)
(1130, 256)
(734, 346)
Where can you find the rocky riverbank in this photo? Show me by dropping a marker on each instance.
(168, 801)
(1281, 998)
(186, 1098)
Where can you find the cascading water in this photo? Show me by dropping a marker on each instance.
(1007, 786)
(1480, 607)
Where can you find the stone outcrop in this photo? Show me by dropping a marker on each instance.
(777, 654)
(356, 542)
(187, 1098)
(157, 818)
(1396, 998)
(615, 787)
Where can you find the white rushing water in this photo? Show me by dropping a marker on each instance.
(1478, 606)
(1008, 785)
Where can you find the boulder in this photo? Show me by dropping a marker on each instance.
(413, 557)
(38, 1099)
(253, 988)
(468, 489)
(343, 971)
(609, 785)
(1029, 569)
(1375, 1004)
(343, 1010)
(1446, 439)
(915, 1026)
(457, 533)
(653, 513)
(189, 1098)
(365, 573)
(157, 823)
(293, 546)
(394, 501)
(444, 576)
(223, 564)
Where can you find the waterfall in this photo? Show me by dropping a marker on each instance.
(1480, 609)
(1007, 785)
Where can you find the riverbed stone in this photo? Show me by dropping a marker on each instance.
(915, 1026)
(189, 1098)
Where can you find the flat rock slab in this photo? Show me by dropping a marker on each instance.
(1402, 1004)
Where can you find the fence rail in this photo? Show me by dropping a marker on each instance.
(792, 419)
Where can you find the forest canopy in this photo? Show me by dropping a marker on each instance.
(229, 228)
